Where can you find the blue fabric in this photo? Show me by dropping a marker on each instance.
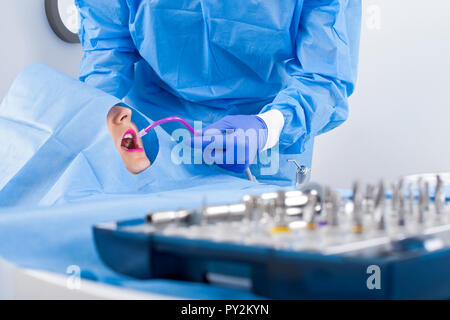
(56, 153)
(52, 239)
(55, 146)
(233, 142)
(205, 59)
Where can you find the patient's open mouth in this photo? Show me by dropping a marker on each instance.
(130, 142)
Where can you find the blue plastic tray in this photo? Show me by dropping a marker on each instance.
(411, 272)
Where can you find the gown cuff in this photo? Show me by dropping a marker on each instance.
(274, 121)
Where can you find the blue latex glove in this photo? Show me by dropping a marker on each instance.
(233, 142)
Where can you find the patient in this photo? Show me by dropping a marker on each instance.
(125, 137)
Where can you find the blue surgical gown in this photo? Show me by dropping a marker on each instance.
(204, 59)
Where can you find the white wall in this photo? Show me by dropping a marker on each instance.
(399, 113)
(26, 37)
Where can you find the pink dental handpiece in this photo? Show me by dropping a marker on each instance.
(143, 132)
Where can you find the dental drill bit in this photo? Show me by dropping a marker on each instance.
(199, 216)
(326, 204)
(380, 207)
(401, 205)
(410, 199)
(394, 198)
(310, 210)
(302, 173)
(248, 202)
(357, 208)
(369, 200)
(421, 202)
(439, 198)
(252, 210)
(167, 217)
(203, 213)
(269, 208)
(249, 175)
(281, 207)
(424, 200)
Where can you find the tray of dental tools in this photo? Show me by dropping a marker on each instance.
(308, 243)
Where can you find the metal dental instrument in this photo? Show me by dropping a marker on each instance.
(203, 213)
(228, 213)
(280, 213)
(402, 205)
(394, 198)
(380, 207)
(439, 197)
(165, 217)
(369, 199)
(250, 176)
(410, 199)
(143, 132)
(333, 217)
(421, 202)
(269, 208)
(326, 204)
(310, 210)
(330, 207)
(357, 208)
(426, 196)
(206, 214)
(281, 207)
(252, 208)
(302, 173)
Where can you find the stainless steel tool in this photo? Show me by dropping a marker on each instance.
(380, 207)
(302, 174)
(357, 219)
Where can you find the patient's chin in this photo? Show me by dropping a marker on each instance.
(138, 166)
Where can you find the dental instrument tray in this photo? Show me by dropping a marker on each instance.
(309, 243)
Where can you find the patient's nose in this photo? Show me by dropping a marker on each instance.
(123, 116)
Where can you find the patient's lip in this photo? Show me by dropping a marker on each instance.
(135, 140)
(134, 150)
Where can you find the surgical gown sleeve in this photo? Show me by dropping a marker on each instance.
(109, 52)
(323, 73)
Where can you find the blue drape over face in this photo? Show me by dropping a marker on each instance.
(204, 59)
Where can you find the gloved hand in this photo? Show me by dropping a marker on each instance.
(233, 142)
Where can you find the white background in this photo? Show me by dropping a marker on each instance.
(399, 113)
(26, 37)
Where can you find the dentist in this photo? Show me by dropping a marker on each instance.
(283, 69)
